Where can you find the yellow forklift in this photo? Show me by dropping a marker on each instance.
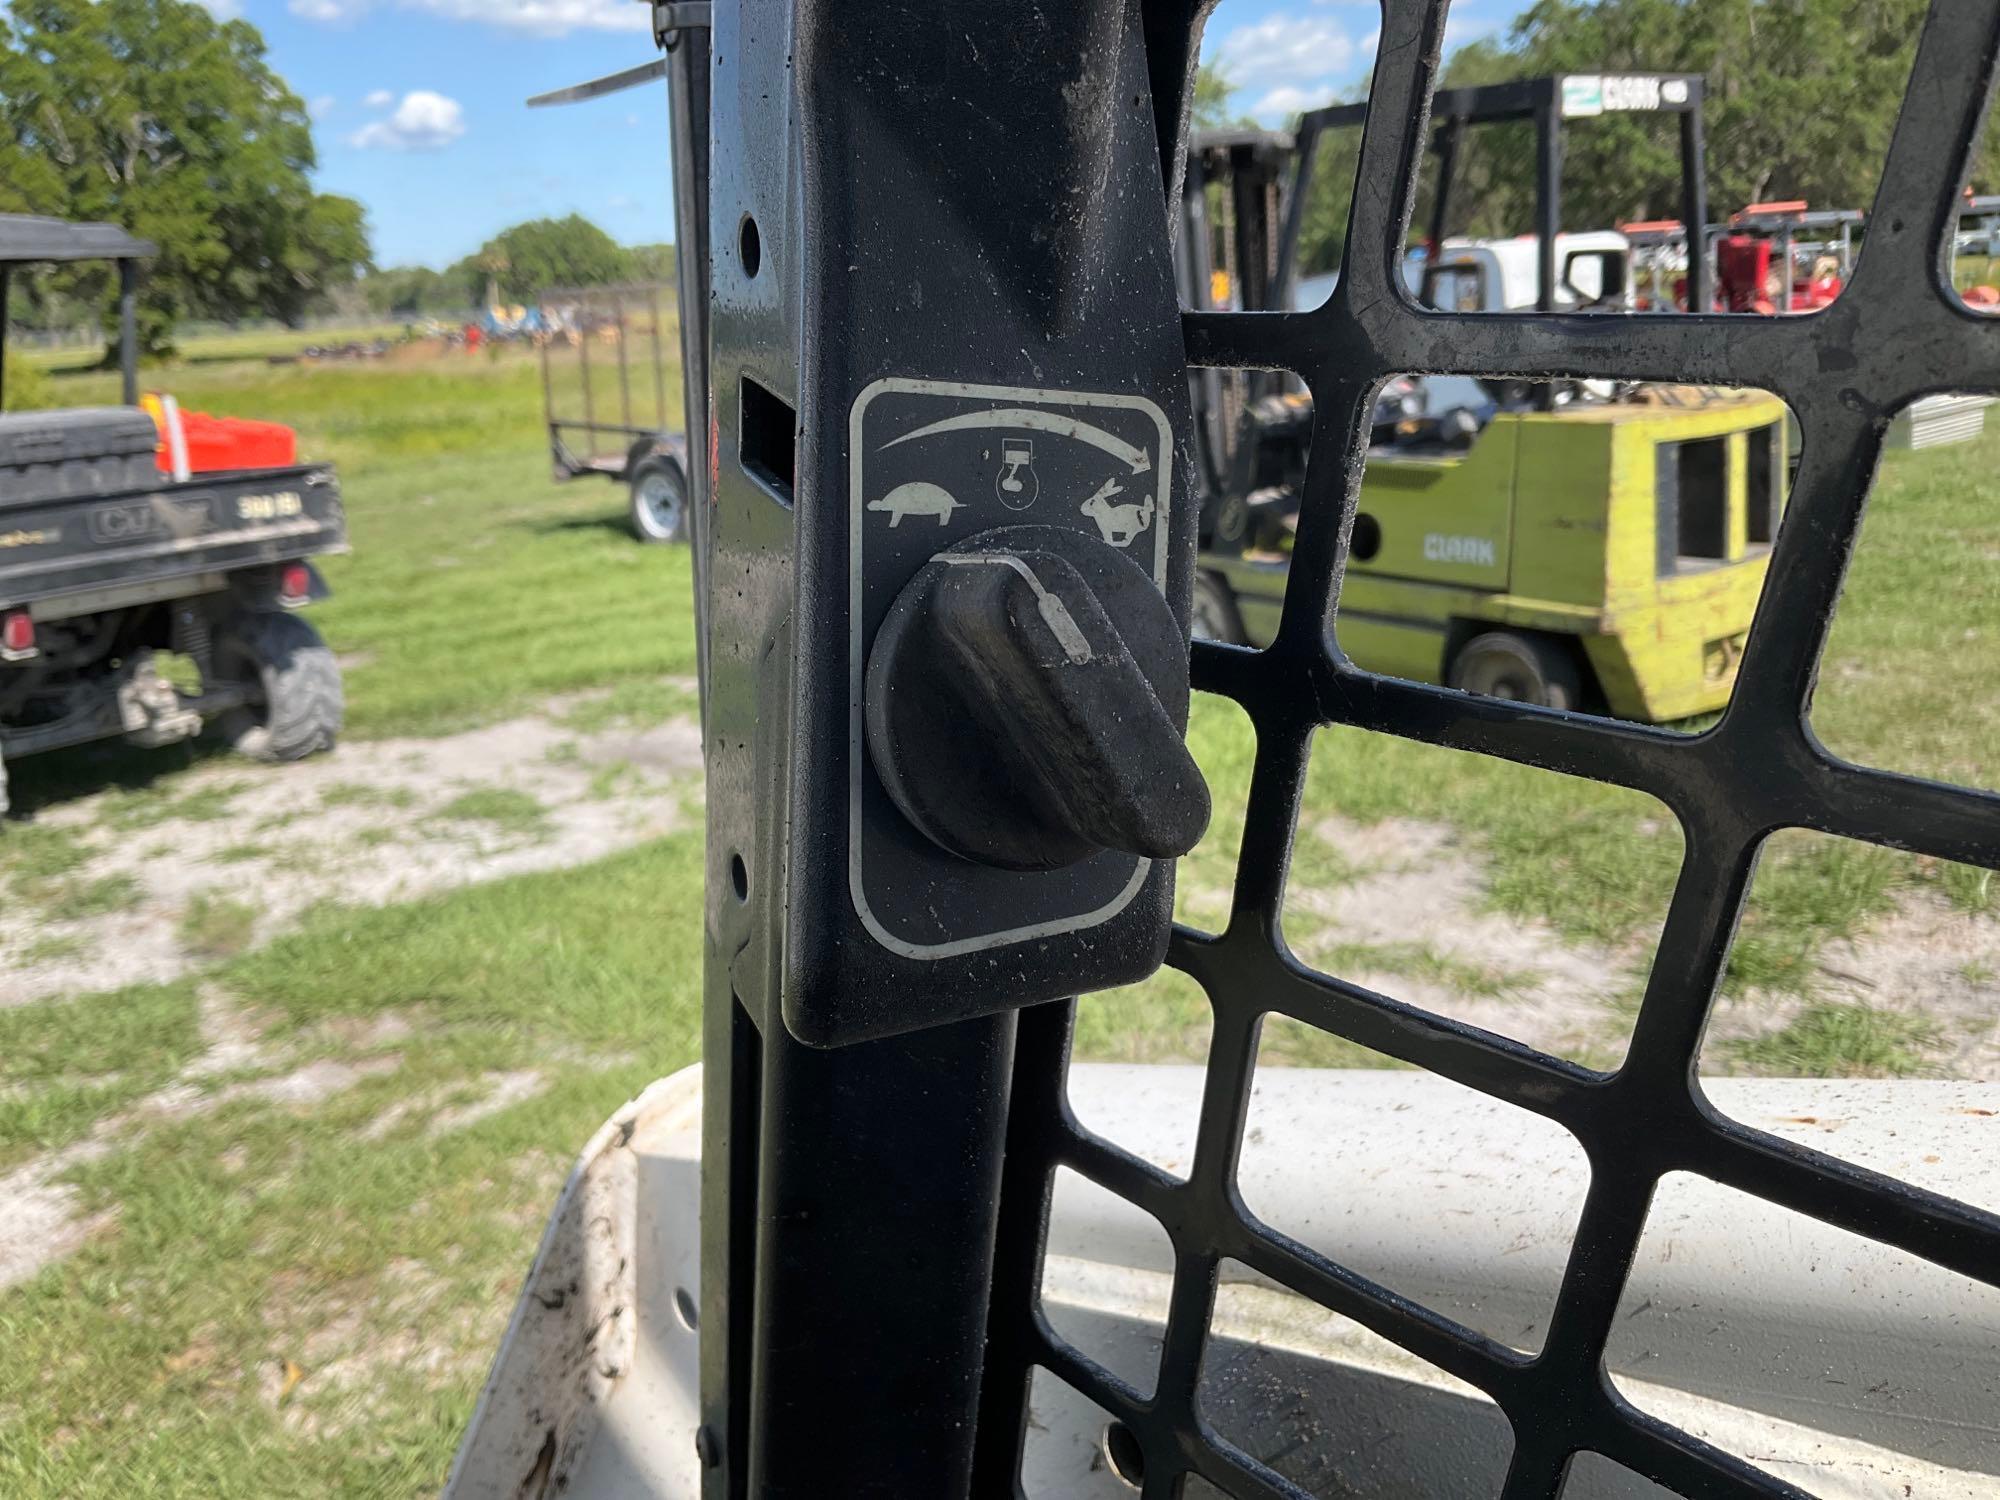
(1576, 545)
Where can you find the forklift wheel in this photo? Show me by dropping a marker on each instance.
(1522, 668)
(296, 699)
(1214, 615)
(659, 501)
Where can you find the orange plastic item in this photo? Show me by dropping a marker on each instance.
(217, 445)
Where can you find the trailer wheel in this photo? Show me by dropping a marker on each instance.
(1521, 668)
(295, 707)
(659, 501)
(1214, 616)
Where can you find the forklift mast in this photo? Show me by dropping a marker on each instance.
(1550, 103)
(945, 550)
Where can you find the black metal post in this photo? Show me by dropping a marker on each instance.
(688, 53)
(6, 288)
(624, 360)
(1447, 155)
(851, 1187)
(1548, 202)
(1548, 219)
(128, 329)
(1295, 208)
(1694, 205)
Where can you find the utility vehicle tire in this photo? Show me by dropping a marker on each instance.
(1521, 668)
(659, 501)
(1214, 613)
(296, 710)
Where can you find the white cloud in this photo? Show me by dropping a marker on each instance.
(424, 121)
(322, 106)
(380, 99)
(543, 17)
(540, 17)
(1283, 48)
(1288, 99)
(1460, 29)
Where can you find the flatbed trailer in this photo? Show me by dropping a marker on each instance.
(605, 399)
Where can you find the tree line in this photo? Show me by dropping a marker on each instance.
(157, 116)
(515, 267)
(154, 115)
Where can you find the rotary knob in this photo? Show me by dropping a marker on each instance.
(1026, 700)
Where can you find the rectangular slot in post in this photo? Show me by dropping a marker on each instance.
(767, 439)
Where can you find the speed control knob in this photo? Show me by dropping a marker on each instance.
(1026, 698)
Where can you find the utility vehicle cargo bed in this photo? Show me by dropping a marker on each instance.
(49, 455)
(154, 530)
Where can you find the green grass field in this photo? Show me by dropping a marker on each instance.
(271, 1296)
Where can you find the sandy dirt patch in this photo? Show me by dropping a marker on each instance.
(41, 1218)
(1419, 892)
(372, 823)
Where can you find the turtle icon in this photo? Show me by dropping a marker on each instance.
(917, 499)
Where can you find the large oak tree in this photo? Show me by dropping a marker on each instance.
(155, 115)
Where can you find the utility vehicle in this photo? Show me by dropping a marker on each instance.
(1573, 545)
(107, 560)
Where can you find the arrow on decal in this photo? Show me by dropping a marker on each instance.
(1137, 459)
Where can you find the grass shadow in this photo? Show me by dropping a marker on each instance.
(37, 783)
(612, 521)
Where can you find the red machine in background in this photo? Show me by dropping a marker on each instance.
(1785, 257)
(1769, 258)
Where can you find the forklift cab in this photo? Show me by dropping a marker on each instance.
(1465, 275)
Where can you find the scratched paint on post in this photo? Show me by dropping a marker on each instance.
(931, 463)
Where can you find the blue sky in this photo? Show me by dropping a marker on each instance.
(420, 113)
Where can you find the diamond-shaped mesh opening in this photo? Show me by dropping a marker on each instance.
(1907, 681)
(1897, 332)
(1337, 1409)
(1598, 546)
(1974, 249)
(1594, 1477)
(1136, 1076)
(1491, 893)
(1074, 1449)
(1817, 1355)
(1107, 1273)
(1224, 745)
(1439, 1193)
(1858, 1017)
(1787, 201)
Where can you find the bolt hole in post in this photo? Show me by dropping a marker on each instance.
(685, 1309)
(1123, 1453)
(739, 877)
(749, 246)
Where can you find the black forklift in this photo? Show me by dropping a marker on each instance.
(108, 561)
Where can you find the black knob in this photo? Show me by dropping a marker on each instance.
(1026, 700)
